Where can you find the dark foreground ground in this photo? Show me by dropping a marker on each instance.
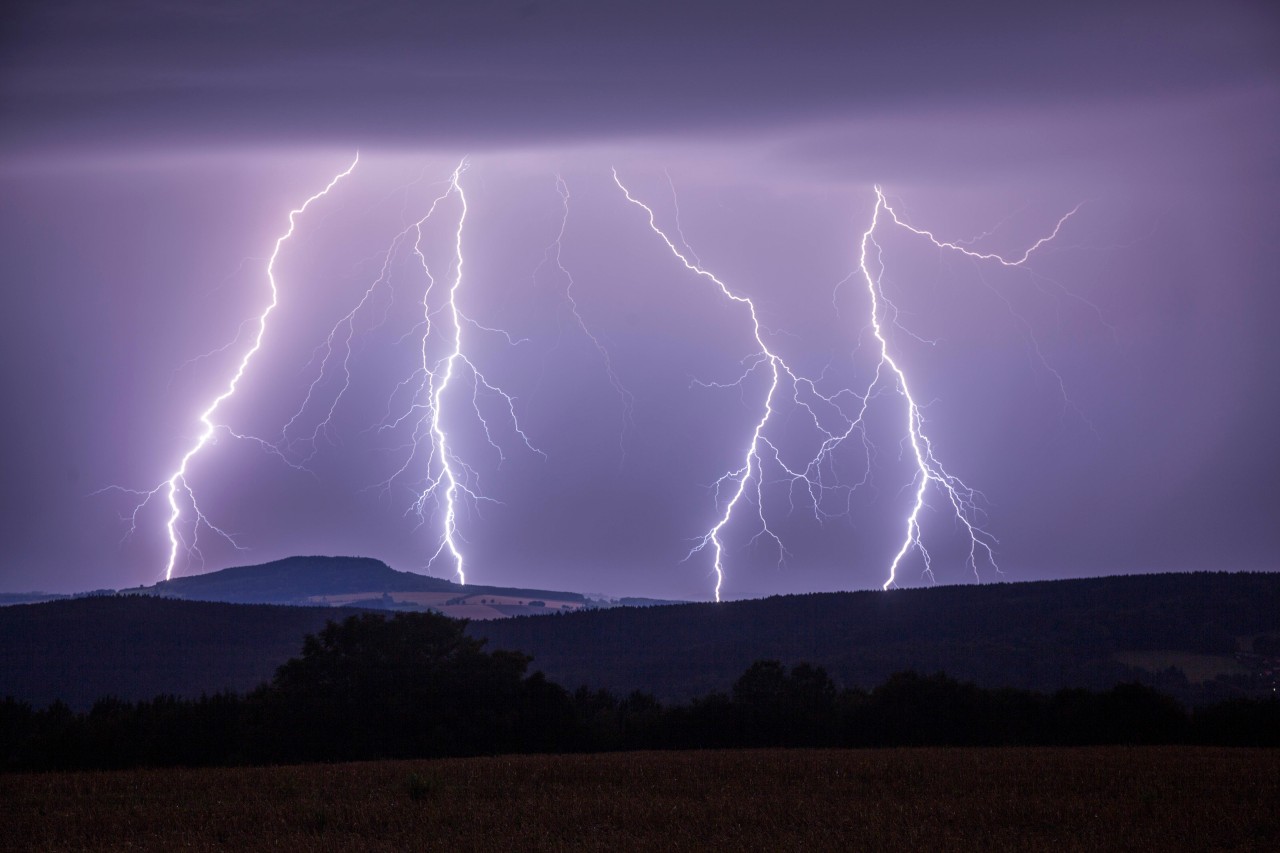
(1163, 798)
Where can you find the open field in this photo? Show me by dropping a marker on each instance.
(977, 799)
(1197, 668)
(480, 606)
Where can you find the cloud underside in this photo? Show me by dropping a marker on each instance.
(489, 72)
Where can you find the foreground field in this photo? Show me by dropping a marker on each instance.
(976, 799)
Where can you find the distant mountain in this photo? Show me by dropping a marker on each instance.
(1199, 636)
(354, 582)
(295, 580)
(360, 582)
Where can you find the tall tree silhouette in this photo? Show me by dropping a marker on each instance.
(412, 684)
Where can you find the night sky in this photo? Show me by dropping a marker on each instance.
(1114, 399)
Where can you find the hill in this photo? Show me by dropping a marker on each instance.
(137, 647)
(1200, 636)
(361, 582)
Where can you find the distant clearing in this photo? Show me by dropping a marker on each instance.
(935, 799)
(478, 606)
(1197, 668)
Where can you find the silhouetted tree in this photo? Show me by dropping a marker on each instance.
(374, 686)
(780, 708)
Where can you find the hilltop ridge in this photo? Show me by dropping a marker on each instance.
(360, 582)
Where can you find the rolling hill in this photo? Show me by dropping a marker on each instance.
(1199, 636)
(138, 647)
(359, 582)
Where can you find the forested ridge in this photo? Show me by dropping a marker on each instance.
(294, 580)
(137, 647)
(1041, 636)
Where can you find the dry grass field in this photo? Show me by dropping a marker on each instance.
(1197, 668)
(937, 799)
(480, 607)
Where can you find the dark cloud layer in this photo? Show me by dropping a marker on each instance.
(129, 73)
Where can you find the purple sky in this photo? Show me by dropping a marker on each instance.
(1115, 399)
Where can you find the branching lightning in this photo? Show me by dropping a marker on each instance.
(929, 470)
(824, 409)
(437, 383)
(177, 486)
(342, 333)
(735, 481)
(449, 479)
(427, 404)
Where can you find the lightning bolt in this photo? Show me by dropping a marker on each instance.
(735, 481)
(822, 409)
(438, 383)
(449, 479)
(441, 380)
(177, 488)
(342, 333)
(338, 336)
(962, 499)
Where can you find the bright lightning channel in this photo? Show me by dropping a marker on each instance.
(308, 445)
(449, 479)
(439, 382)
(929, 470)
(177, 485)
(753, 457)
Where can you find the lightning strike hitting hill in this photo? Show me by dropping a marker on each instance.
(177, 484)
(929, 470)
(449, 479)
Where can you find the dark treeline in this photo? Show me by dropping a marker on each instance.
(1041, 636)
(415, 685)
